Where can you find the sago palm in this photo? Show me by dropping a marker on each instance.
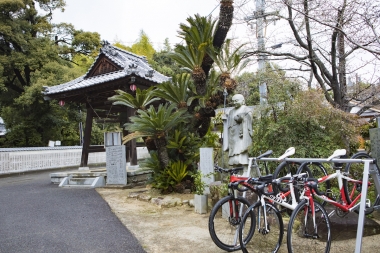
(156, 124)
(175, 91)
(200, 30)
(229, 60)
(198, 36)
(191, 57)
(140, 101)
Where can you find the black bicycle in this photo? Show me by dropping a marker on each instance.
(226, 215)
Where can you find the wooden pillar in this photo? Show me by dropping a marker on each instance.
(132, 143)
(87, 136)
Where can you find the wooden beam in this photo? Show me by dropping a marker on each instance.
(100, 121)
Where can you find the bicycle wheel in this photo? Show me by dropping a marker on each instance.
(317, 170)
(265, 238)
(223, 225)
(303, 236)
(284, 169)
(352, 190)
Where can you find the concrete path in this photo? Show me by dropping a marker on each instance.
(37, 216)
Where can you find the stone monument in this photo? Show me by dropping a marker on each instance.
(116, 163)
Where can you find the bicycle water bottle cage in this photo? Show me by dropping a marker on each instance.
(358, 187)
(275, 189)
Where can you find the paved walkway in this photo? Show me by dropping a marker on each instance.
(37, 216)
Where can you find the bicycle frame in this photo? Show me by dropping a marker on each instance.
(252, 163)
(279, 198)
(235, 178)
(233, 205)
(343, 206)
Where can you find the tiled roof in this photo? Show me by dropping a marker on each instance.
(130, 63)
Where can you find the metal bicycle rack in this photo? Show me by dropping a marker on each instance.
(370, 168)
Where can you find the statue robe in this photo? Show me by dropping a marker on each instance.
(239, 135)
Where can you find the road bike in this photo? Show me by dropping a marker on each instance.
(347, 199)
(309, 225)
(353, 188)
(268, 234)
(225, 216)
(309, 228)
(269, 228)
(315, 170)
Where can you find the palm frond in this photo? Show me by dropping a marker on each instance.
(189, 56)
(154, 121)
(228, 59)
(199, 30)
(134, 135)
(175, 91)
(142, 98)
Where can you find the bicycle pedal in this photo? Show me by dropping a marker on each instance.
(367, 203)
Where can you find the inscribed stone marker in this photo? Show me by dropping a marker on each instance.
(206, 165)
(116, 165)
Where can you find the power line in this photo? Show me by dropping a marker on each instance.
(213, 10)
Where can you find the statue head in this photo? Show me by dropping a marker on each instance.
(238, 100)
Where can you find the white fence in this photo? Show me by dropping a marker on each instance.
(15, 160)
(32, 159)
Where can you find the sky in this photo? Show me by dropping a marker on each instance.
(123, 20)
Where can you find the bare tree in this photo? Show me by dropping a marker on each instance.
(334, 40)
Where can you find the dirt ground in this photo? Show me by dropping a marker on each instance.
(180, 229)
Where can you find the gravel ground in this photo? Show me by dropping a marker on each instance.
(180, 229)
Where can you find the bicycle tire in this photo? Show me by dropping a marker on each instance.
(223, 229)
(317, 170)
(355, 170)
(266, 240)
(282, 170)
(301, 234)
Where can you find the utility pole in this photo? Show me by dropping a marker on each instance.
(261, 19)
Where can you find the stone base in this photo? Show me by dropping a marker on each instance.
(201, 203)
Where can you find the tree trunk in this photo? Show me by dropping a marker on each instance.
(342, 63)
(162, 152)
(226, 15)
(224, 24)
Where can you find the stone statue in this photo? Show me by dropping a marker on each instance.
(239, 132)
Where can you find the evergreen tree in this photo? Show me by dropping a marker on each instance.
(31, 57)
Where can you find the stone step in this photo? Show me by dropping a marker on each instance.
(57, 177)
(79, 182)
(136, 177)
(77, 186)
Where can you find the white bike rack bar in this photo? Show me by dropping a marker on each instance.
(359, 233)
